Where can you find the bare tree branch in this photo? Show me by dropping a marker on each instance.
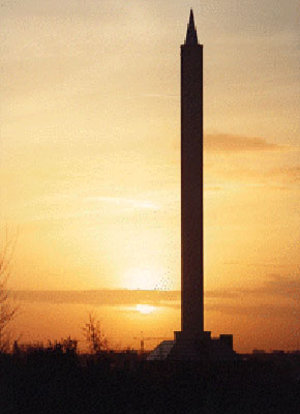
(7, 310)
(94, 335)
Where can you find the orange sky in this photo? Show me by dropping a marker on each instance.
(90, 138)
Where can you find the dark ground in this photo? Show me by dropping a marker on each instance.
(54, 381)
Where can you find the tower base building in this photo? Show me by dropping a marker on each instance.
(203, 348)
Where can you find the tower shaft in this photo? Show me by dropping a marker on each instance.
(192, 185)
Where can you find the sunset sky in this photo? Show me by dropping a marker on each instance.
(90, 145)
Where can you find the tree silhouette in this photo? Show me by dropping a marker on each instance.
(7, 310)
(94, 335)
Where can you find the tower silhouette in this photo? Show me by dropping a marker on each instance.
(192, 342)
(191, 182)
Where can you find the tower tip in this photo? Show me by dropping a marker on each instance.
(191, 35)
(191, 15)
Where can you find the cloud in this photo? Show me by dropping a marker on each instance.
(276, 286)
(268, 311)
(126, 202)
(288, 287)
(291, 174)
(264, 301)
(238, 143)
(212, 188)
(101, 297)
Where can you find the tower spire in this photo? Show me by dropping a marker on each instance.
(191, 35)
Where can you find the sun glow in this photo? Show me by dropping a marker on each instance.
(145, 309)
(142, 279)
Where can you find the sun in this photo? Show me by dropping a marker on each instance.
(145, 309)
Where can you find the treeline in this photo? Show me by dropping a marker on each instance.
(57, 379)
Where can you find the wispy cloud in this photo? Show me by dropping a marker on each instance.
(125, 202)
(238, 143)
(162, 96)
(102, 297)
(288, 287)
(268, 311)
(291, 174)
(275, 286)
